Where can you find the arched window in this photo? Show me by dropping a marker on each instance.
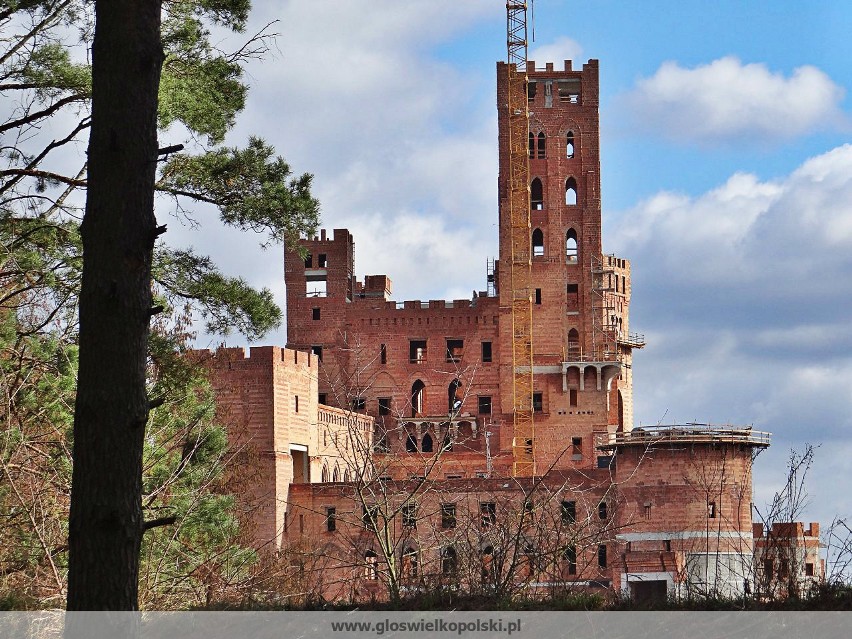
(571, 245)
(541, 148)
(324, 474)
(371, 565)
(448, 441)
(620, 413)
(570, 191)
(573, 344)
(569, 144)
(487, 563)
(335, 475)
(536, 195)
(346, 477)
(411, 444)
(532, 145)
(538, 243)
(449, 560)
(426, 443)
(417, 396)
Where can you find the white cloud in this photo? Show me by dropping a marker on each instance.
(563, 48)
(727, 100)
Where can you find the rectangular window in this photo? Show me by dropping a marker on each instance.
(369, 517)
(606, 461)
(315, 313)
(309, 261)
(577, 448)
(486, 351)
(358, 403)
(322, 398)
(809, 570)
(297, 403)
(455, 347)
(572, 396)
(569, 512)
(538, 402)
(383, 354)
(571, 559)
(448, 516)
(538, 296)
(485, 404)
(409, 516)
(331, 519)
(417, 351)
(647, 510)
(321, 261)
(384, 405)
(602, 556)
(317, 350)
(602, 513)
(488, 513)
(711, 510)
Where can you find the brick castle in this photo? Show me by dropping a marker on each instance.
(385, 429)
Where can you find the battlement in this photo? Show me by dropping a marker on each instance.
(229, 358)
(688, 434)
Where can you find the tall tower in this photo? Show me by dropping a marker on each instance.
(581, 344)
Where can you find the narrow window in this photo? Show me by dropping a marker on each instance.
(383, 354)
(454, 403)
(541, 146)
(538, 402)
(409, 516)
(317, 350)
(572, 396)
(417, 351)
(602, 556)
(448, 516)
(809, 570)
(486, 351)
(411, 444)
(315, 313)
(331, 519)
(371, 566)
(569, 144)
(647, 510)
(487, 563)
(569, 512)
(322, 398)
(409, 563)
(571, 245)
(321, 261)
(606, 461)
(536, 195)
(426, 444)
(369, 516)
(297, 403)
(531, 90)
(309, 261)
(531, 145)
(711, 509)
(485, 404)
(455, 349)
(417, 398)
(571, 559)
(538, 296)
(488, 514)
(537, 243)
(573, 344)
(602, 510)
(384, 406)
(570, 191)
(358, 403)
(449, 561)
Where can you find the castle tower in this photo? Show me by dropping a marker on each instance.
(581, 348)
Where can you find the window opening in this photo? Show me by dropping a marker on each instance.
(537, 243)
(358, 403)
(448, 516)
(315, 313)
(569, 144)
(383, 354)
(602, 512)
(331, 519)
(371, 569)
(454, 402)
(409, 516)
(541, 145)
(485, 404)
(317, 350)
(409, 562)
(711, 509)
(571, 245)
(449, 561)
(602, 556)
(571, 559)
(572, 396)
(417, 397)
(370, 516)
(536, 195)
(426, 444)
(573, 344)
(384, 405)
(321, 261)
(411, 444)
(309, 261)
(296, 397)
(455, 350)
(538, 402)
(569, 512)
(322, 398)
(531, 145)
(417, 351)
(487, 514)
(570, 191)
(486, 352)
(538, 296)
(577, 447)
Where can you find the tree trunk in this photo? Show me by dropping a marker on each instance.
(118, 230)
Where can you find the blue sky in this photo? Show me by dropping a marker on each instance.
(725, 180)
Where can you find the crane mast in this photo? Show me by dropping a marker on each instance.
(523, 455)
